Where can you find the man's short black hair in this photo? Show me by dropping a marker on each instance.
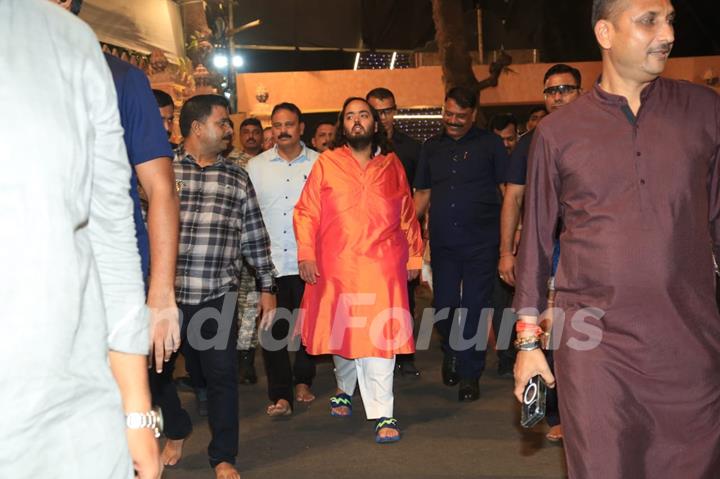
(163, 99)
(464, 97)
(251, 122)
(323, 123)
(75, 6)
(198, 108)
(380, 93)
(536, 109)
(291, 107)
(501, 121)
(561, 68)
(602, 10)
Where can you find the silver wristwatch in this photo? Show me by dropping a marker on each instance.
(145, 420)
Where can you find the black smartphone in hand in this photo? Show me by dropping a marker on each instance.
(533, 404)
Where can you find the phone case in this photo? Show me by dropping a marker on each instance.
(533, 405)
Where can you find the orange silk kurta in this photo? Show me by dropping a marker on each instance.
(360, 227)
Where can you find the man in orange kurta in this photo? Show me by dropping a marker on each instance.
(358, 243)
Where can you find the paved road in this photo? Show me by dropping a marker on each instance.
(442, 437)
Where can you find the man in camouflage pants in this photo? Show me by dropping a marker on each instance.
(251, 135)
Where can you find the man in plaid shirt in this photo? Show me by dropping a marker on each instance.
(220, 226)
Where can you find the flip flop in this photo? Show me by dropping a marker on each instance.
(340, 400)
(386, 423)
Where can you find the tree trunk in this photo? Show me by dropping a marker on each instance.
(194, 18)
(453, 49)
(454, 53)
(197, 32)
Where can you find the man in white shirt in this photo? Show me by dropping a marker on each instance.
(278, 176)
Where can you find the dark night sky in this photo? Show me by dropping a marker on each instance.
(559, 29)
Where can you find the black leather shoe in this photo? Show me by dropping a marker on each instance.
(469, 390)
(246, 369)
(449, 370)
(407, 368)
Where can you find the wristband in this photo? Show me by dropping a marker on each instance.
(523, 327)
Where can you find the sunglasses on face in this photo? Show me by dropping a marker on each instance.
(386, 111)
(561, 89)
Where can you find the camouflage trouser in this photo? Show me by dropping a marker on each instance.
(247, 310)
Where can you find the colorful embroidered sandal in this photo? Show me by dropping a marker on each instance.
(386, 423)
(340, 400)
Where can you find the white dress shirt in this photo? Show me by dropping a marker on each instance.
(278, 184)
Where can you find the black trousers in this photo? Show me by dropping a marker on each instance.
(281, 376)
(411, 285)
(464, 281)
(552, 410)
(502, 298)
(209, 336)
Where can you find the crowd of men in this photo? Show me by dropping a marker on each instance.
(607, 207)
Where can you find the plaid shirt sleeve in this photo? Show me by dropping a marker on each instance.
(255, 242)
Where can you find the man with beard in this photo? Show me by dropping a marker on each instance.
(462, 167)
(561, 87)
(407, 149)
(358, 244)
(278, 176)
(632, 169)
(220, 226)
(323, 137)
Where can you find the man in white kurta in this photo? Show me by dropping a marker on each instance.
(71, 286)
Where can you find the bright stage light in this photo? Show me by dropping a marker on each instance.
(220, 61)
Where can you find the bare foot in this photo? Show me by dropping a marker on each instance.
(341, 411)
(555, 433)
(303, 393)
(225, 470)
(172, 452)
(280, 408)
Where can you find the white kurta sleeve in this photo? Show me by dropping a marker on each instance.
(111, 225)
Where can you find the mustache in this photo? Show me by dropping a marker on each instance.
(284, 135)
(454, 124)
(227, 137)
(662, 48)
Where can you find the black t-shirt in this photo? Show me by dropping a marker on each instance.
(516, 171)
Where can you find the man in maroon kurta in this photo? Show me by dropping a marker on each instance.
(633, 170)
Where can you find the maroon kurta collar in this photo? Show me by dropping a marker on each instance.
(608, 98)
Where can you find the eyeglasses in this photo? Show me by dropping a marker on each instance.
(387, 111)
(561, 89)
